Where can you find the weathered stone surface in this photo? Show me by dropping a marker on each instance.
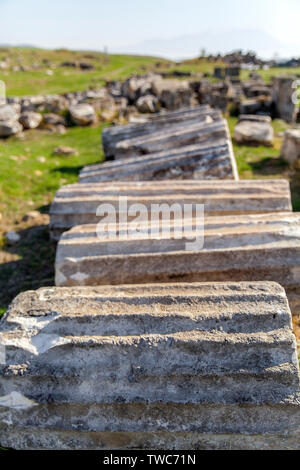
(54, 119)
(9, 115)
(255, 118)
(56, 104)
(260, 104)
(82, 114)
(207, 366)
(239, 248)
(30, 119)
(112, 135)
(174, 137)
(134, 87)
(77, 204)
(283, 90)
(10, 128)
(99, 99)
(9, 112)
(254, 132)
(33, 103)
(173, 94)
(147, 104)
(290, 150)
(199, 161)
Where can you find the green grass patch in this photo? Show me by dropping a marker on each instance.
(30, 173)
(268, 74)
(2, 311)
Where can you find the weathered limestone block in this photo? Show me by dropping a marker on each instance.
(77, 204)
(9, 115)
(283, 91)
(173, 94)
(199, 161)
(30, 119)
(9, 112)
(256, 132)
(135, 86)
(114, 134)
(178, 366)
(183, 135)
(240, 248)
(290, 150)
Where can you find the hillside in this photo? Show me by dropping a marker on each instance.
(33, 71)
(39, 71)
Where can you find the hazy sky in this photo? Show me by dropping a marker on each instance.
(92, 24)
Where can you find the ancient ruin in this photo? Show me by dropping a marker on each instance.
(177, 366)
(254, 130)
(290, 150)
(180, 136)
(112, 135)
(214, 160)
(259, 247)
(77, 204)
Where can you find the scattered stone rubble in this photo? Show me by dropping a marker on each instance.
(83, 114)
(121, 101)
(179, 366)
(173, 137)
(112, 135)
(30, 119)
